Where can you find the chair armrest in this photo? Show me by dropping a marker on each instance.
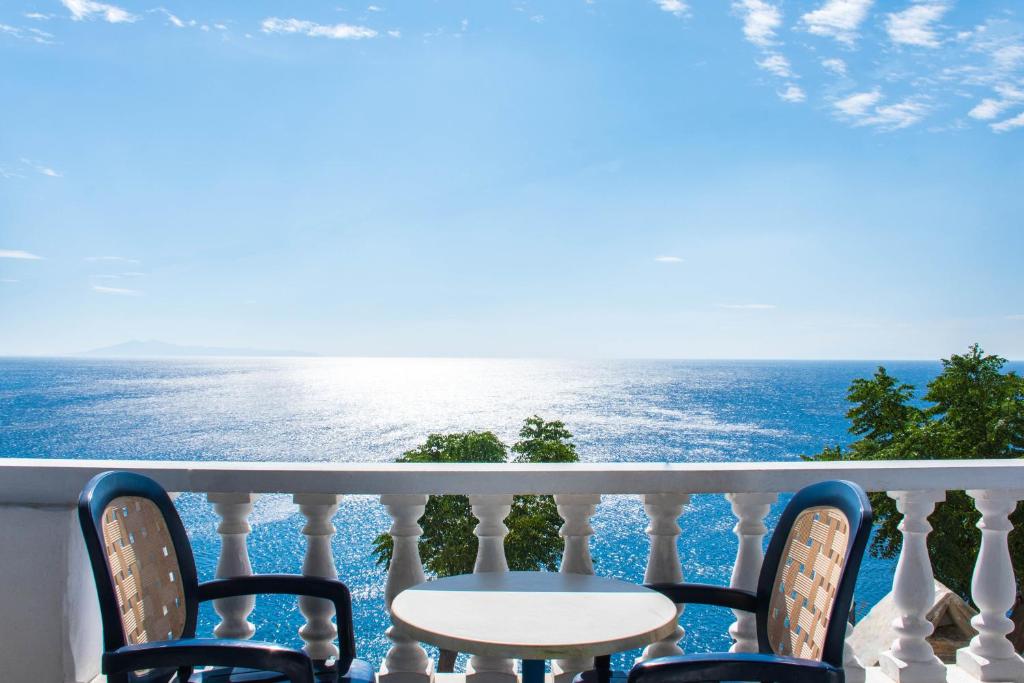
(291, 584)
(705, 594)
(734, 667)
(191, 652)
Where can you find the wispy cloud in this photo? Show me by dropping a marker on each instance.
(835, 65)
(90, 9)
(668, 259)
(116, 290)
(760, 21)
(314, 30)
(1015, 316)
(865, 109)
(118, 259)
(990, 107)
(776, 64)
(792, 93)
(19, 254)
(748, 307)
(9, 280)
(32, 34)
(42, 169)
(37, 16)
(916, 24)
(676, 7)
(838, 19)
(1009, 124)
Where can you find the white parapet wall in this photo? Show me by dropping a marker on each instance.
(50, 630)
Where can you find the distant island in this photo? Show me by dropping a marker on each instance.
(160, 349)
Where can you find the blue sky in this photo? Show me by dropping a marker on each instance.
(756, 179)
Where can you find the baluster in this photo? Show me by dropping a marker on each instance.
(233, 510)
(852, 666)
(663, 563)
(911, 659)
(575, 509)
(750, 510)
(990, 656)
(491, 512)
(318, 631)
(406, 661)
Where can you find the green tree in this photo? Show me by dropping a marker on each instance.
(976, 411)
(448, 546)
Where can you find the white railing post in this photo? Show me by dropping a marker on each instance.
(406, 660)
(852, 666)
(990, 656)
(663, 563)
(233, 528)
(911, 659)
(318, 631)
(750, 510)
(575, 509)
(491, 512)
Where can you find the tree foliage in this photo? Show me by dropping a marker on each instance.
(448, 545)
(973, 409)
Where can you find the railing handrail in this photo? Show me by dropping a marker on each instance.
(40, 481)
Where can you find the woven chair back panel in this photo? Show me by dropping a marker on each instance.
(806, 583)
(144, 569)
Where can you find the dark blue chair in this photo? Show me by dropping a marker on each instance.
(149, 598)
(801, 605)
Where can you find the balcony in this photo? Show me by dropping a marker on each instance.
(51, 629)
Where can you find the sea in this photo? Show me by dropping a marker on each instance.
(373, 409)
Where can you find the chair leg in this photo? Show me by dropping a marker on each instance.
(603, 668)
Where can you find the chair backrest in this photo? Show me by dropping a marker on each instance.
(141, 560)
(810, 568)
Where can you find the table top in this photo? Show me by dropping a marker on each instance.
(534, 615)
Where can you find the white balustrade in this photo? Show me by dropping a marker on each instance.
(663, 563)
(37, 499)
(406, 661)
(750, 510)
(319, 631)
(233, 528)
(491, 512)
(911, 659)
(575, 509)
(852, 666)
(990, 655)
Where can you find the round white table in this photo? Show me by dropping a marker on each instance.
(534, 616)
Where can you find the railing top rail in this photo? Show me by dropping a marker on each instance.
(31, 481)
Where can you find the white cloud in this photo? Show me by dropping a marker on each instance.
(374, 8)
(1015, 316)
(835, 65)
(33, 34)
(668, 259)
(793, 93)
(916, 24)
(776, 64)
(748, 307)
(864, 109)
(838, 19)
(990, 107)
(760, 21)
(9, 280)
(1009, 124)
(314, 30)
(90, 9)
(858, 104)
(116, 290)
(19, 254)
(37, 16)
(118, 259)
(676, 7)
(395, 33)
(41, 169)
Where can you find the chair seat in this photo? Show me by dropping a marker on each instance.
(592, 676)
(358, 672)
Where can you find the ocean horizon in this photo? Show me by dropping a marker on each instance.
(325, 409)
